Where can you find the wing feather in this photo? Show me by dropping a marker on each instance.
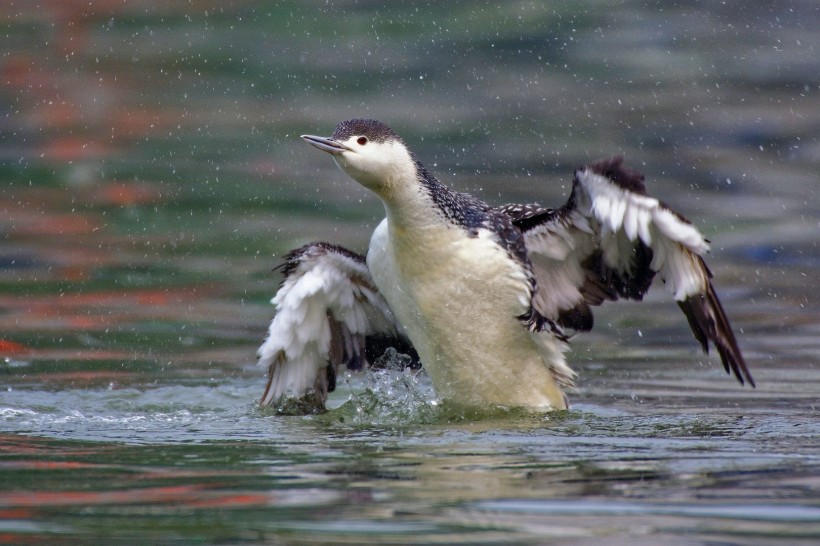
(327, 310)
(609, 241)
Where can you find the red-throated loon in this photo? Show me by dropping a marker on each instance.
(483, 295)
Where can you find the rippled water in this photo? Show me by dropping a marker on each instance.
(151, 172)
(200, 462)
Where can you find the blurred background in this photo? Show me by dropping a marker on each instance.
(151, 176)
(151, 167)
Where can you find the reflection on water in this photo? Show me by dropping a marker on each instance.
(151, 169)
(195, 457)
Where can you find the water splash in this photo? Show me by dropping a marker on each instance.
(394, 394)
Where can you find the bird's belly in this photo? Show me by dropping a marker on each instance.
(459, 299)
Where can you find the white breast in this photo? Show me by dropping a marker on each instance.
(458, 298)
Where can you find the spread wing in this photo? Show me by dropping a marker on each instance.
(608, 242)
(328, 313)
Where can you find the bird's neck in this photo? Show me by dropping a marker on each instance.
(408, 199)
(411, 209)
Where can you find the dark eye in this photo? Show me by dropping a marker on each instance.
(361, 140)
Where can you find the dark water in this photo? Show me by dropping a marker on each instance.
(150, 172)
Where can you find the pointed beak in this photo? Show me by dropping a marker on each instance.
(325, 144)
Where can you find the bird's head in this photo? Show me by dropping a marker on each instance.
(370, 152)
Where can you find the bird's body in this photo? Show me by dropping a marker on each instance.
(459, 299)
(483, 294)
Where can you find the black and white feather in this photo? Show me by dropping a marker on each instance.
(328, 314)
(608, 242)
